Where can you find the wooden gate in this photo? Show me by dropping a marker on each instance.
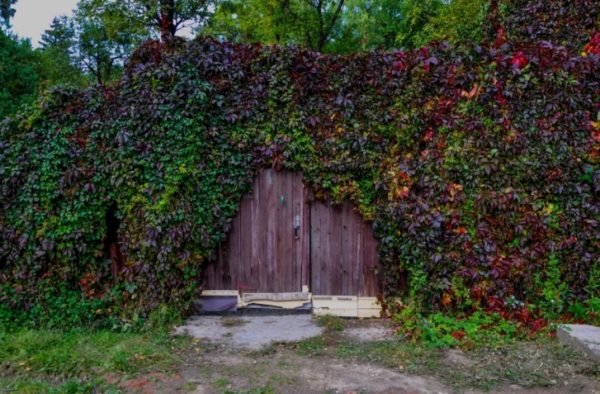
(281, 243)
(266, 249)
(343, 252)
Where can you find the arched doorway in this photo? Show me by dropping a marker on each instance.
(284, 251)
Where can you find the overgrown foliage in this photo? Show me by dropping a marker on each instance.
(564, 22)
(477, 165)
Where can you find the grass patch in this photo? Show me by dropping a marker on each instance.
(538, 363)
(331, 324)
(78, 361)
(312, 346)
(258, 390)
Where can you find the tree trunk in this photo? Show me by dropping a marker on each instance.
(167, 20)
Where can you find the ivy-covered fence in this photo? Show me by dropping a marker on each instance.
(479, 168)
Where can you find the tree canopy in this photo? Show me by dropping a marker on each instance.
(7, 11)
(20, 73)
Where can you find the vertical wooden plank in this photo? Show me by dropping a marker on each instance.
(314, 235)
(316, 248)
(326, 248)
(365, 286)
(233, 258)
(353, 246)
(305, 234)
(208, 275)
(279, 231)
(262, 232)
(220, 274)
(239, 266)
(347, 248)
(271, 215)
(358, 258)
(282, 232)
(296, 243)
(223, 262)
(376, 264)
(363, 263)
(339, 255)
(370, 279)
(254, 233)
(247, 276)
(288, 231)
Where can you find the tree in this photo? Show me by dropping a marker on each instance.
(90, 46)
(20, 73)
(368, 24)
(264, 21)
(312, 23)
(58, 53)
(324, 15)
(416, 16)
(348, 26)
(162, 17)
(461, 21)
(104, 40)
(61, 35)
(6, 10)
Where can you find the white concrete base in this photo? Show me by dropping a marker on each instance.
(343, 306)
(346, 306)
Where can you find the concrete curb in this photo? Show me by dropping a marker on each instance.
(582, 337)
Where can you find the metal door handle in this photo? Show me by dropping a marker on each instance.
(297, 227)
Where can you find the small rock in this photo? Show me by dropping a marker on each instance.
(457, 356)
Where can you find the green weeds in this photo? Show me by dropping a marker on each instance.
(75, 362)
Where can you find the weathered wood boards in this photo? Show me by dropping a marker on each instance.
(343, 253)
(266, 250)
(281, 243)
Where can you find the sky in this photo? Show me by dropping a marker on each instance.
(33, 17)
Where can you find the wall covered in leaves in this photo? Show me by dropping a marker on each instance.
(479, 168)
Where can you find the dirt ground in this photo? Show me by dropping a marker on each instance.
(353, 356)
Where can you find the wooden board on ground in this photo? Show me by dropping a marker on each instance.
(278, 300)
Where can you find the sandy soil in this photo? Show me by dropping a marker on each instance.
(226, 359)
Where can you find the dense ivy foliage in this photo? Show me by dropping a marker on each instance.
(479, 168)
(563, 22)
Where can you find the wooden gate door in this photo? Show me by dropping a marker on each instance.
(344, 259)
(267, 246)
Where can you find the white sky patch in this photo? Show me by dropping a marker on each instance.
(33, 17)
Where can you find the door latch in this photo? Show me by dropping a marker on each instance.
(297, 227)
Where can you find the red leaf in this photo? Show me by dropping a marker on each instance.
(519, 60)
